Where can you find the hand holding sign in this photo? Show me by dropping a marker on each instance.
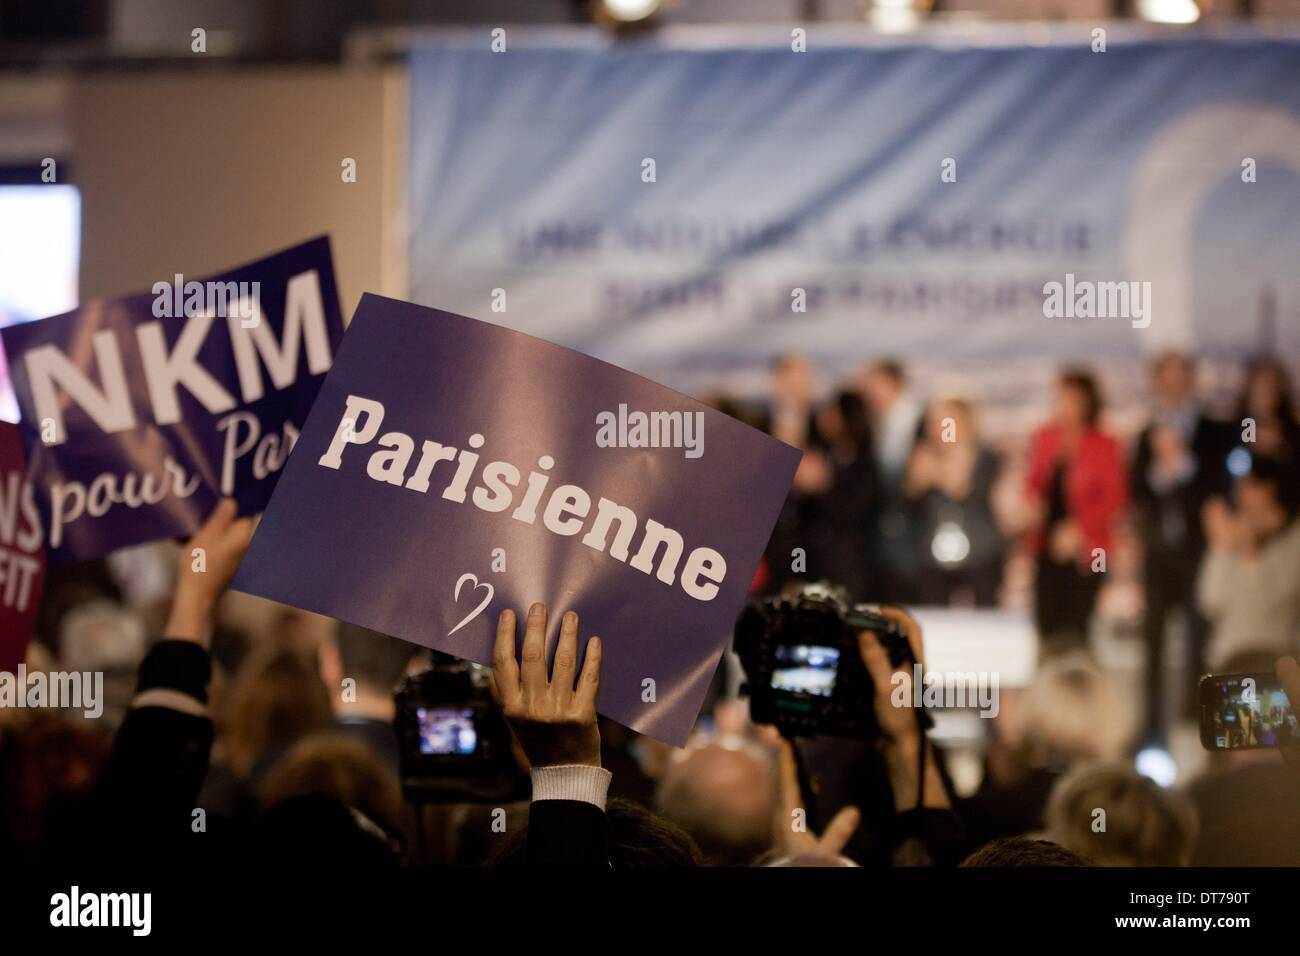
(553, 718)
(206, 566)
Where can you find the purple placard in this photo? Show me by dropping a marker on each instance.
(22, 556)
(138, 413)
(393, 514)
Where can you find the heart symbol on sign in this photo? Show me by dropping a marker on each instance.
(478, 610)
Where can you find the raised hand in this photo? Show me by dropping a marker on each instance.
(205, 568)
(553, 717)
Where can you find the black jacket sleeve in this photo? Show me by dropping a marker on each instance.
(160, 755)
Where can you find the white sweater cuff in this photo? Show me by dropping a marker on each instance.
(571, 782)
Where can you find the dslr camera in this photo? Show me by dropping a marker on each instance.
(455, 745)
(804, 673)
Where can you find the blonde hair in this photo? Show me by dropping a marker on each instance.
(1071, 713)
(1117, 817)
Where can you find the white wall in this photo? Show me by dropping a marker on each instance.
(196, 171)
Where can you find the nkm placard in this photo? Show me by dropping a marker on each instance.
(451, 468)
(138, 413)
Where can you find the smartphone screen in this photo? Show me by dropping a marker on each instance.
(1245, 711)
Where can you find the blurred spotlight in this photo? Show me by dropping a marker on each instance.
(628, 11)
(1156, 764)
(896, 16)
(1169, 11)
(950, 546)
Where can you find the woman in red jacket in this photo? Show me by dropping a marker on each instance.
(1077, 479)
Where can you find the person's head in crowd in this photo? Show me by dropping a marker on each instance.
(276, 700)
(229, 649)
(883, 382)
(794, 380)
(48, 775)
(1174, 377)
(1078, 400)
(342, 769)
(807, 860)
(1024, 851)
(1071, 713)
(637, 839)
(375, 661)
(725, 798)
(313, 831)
(1143, 823)
(102, 636)
(1268, 497)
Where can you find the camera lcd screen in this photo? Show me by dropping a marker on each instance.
(447, 731)
(1249, 711)
(805, 669)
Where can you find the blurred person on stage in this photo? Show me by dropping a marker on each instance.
(896, 418)
(801, 541)
(852, 499)
(1078, 485)
(1180, 461)
(949, 483)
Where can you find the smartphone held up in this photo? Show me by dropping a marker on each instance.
(1246, 712)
